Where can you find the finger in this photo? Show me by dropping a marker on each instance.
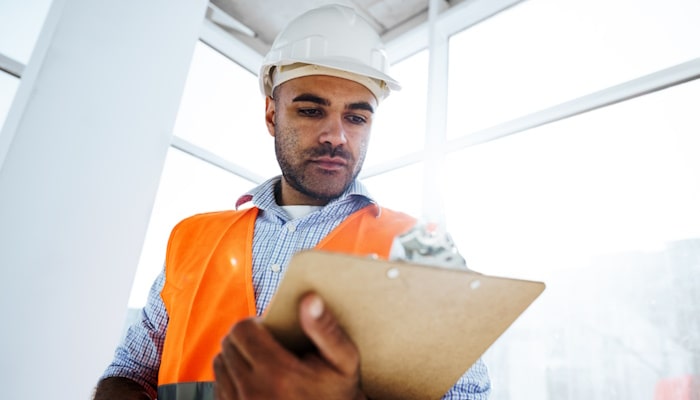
(224, 385)
(233, 359)
(256, 345)
(321, 326)
(231, 369)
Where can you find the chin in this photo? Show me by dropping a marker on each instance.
(327, 193)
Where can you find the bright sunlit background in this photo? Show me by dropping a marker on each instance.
(604, 206)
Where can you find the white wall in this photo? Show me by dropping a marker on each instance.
(80, 158)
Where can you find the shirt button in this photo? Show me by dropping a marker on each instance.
(275, 268)
(291, 227)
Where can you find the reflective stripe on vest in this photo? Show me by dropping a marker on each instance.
(187, 391)
(209, 287)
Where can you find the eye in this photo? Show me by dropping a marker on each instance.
(356, 119)
(310, 112)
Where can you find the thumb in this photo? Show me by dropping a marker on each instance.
(321, 326)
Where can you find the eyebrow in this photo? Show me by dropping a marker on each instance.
(360, 105)
(312, 98)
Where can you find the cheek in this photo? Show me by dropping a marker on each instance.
(360, 149)
(363, 142)
(284, 141)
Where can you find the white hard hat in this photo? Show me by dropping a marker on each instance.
(329, 40)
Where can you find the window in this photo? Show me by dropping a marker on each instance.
(603, 208)
(223, 111)
(543, 52)
(400, 189)
(20, 24)
(399, 126)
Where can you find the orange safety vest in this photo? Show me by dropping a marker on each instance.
(209, 287)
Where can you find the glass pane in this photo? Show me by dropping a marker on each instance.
(8, 88)
(20, 24)
(399, 189)
(188, 186)
(223, 111)
(544, 52)
(603, 208)
(399, 125)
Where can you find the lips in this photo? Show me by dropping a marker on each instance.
(330, 163)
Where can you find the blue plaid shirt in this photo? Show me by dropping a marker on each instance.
(276, 238)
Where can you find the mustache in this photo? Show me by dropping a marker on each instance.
(326, 149)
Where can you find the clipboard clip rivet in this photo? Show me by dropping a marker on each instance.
(392, 273)
(475, 284)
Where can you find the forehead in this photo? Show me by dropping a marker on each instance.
(331, 88)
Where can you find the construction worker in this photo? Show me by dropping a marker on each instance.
(198, 337)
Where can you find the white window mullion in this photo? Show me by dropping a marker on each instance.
(213, 159)
(656, 81)
(11, 66)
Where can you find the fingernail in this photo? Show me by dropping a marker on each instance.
(316, 307)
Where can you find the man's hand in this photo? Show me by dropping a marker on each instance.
(120, 388)
(253, 365)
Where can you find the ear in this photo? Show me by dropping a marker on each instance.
(270, 115)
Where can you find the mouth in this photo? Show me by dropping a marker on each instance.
(330, 163)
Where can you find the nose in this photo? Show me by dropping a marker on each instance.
(333, 132)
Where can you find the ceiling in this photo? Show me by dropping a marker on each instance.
(257, 22)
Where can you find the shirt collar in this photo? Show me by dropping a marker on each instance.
(263, 196)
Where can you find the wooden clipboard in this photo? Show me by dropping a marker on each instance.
(418, 328)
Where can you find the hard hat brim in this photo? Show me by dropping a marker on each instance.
(343, 65)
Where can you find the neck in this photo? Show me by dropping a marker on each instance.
(285, 195)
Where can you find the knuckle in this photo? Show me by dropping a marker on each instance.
(241, 331)
(218, 363)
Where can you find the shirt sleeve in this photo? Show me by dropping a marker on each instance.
(138, 355)
(473, 385)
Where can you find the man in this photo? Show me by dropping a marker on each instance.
(198, 338)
